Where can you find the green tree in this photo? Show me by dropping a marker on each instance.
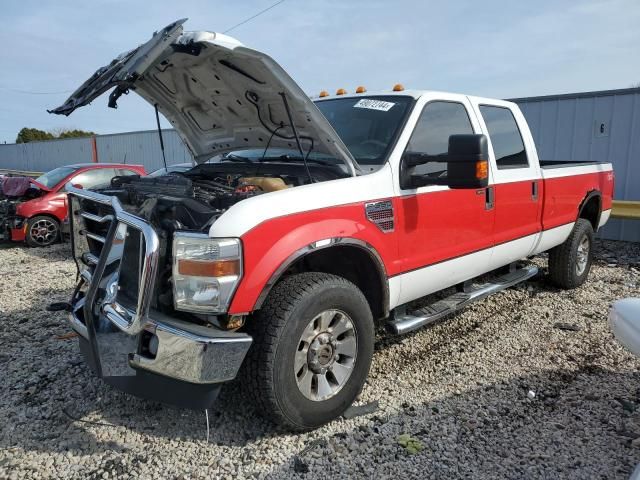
(75, 134)
(27, 135)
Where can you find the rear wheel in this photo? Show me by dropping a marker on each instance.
(570, 262)
(313, 343)
(42, 231)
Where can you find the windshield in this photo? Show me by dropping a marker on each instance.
(367, 125)
(55, 176)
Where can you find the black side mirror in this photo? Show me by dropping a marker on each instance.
(466, 159)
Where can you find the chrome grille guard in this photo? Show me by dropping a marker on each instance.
(127, 320)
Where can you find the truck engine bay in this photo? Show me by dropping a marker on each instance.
(192, 201)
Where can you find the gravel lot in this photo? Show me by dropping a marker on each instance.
(453, 399)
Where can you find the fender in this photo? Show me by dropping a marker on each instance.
(270, 247)
(591, 194)
(322, 244)
(49, 204)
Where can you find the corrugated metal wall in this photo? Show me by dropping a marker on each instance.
(44, 156)
(601, 126)
(132, 147)
(142, 147)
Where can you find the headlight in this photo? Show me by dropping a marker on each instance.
(206, 272)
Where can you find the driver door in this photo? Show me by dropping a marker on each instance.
(445, 235)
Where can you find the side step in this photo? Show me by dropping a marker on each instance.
(419, 318)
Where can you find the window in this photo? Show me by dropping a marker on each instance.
(123, 172)
(506, 140)
(367, 125)
(55, 176)
(97, 178)
(438, 121)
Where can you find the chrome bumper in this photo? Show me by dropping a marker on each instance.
(115, 332)
(185, 352)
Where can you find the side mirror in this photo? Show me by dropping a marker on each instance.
(468, 161)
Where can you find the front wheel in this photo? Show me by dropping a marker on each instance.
(570, 262)
(42, 231)
(313, 344)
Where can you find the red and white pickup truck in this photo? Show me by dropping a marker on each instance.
(315, 222)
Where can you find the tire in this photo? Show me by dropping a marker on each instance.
(289, 315)
(42, 231)
(569, 263)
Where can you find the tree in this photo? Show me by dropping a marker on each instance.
(75, 134)
(27, 135)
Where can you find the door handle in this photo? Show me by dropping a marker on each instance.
(534, 190)
(489, 200)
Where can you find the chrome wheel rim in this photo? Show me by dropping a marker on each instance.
(43, 232)
(582, 256)
(325, 355)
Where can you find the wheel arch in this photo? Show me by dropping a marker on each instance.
(359, 262)
(591, 208)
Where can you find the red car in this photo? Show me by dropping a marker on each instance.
(39, 213)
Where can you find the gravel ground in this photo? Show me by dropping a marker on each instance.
(454, 399)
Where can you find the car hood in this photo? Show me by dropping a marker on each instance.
(219, 95)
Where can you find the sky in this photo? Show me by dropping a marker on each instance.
(502, 49)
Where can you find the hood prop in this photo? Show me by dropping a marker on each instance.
(295, 134)
(164, 158)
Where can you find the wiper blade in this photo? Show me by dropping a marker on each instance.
(299, 159)
(235, 158)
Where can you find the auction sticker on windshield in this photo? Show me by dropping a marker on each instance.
(374, 104)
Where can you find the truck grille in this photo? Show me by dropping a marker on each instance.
(117, 255)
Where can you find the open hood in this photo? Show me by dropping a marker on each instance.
(219, 95)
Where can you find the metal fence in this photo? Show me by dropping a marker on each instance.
(132, 147)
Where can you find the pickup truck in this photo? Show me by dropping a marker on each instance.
(315, 223)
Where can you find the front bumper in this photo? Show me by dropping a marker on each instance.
(126, 342)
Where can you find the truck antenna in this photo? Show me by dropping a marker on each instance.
(164, 158)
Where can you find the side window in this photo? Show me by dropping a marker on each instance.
(123, 172)
(506, 140)
(98, 178)
(437, 122)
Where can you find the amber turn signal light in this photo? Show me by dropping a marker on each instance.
(341, 91)
(208, 268)
(482, 169)
(361, 89)
(324, 93)
(398, 87)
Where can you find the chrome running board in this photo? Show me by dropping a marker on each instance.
(412, 320)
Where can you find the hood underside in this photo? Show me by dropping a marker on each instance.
(219, 95)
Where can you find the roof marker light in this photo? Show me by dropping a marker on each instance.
(324, 93)
(361, 89)
(398, 87)
(341, 91)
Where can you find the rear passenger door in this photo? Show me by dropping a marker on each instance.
(517, 185)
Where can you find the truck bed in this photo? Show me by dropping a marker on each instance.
(548, 164)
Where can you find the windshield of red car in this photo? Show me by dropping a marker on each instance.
(55, 176)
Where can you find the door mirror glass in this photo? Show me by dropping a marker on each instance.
(466, 160)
